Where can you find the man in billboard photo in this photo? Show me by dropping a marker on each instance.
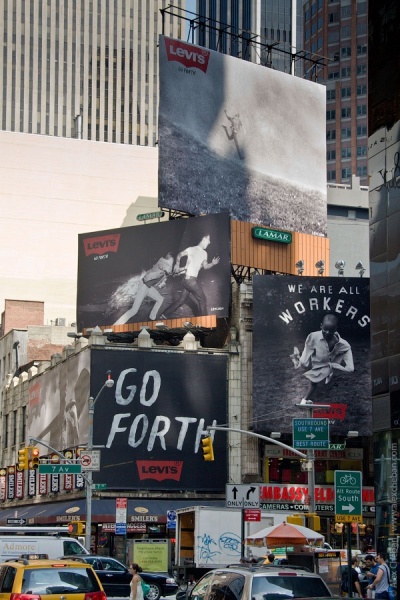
(324, 351)
(146, 286)
(196, 259)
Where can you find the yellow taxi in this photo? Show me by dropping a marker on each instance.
(56, 579)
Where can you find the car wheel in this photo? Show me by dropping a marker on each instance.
(154, 593)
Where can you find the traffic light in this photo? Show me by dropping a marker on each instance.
(76, 528)
(314, 522)
(35, 457)
(295, 520)
(23, 459)
(208, 450)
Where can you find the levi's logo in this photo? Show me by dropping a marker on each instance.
(160, 469)
(101, 244)
(335, 411)
(188, 55)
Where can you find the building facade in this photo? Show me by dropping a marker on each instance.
(82, 69)
(383, 159)
(338, 30)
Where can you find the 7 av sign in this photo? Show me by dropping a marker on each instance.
(348, 496)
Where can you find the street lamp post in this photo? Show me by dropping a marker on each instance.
(89, 478)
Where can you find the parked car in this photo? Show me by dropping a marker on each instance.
(115, 577)
(56, 578)
(259, 582)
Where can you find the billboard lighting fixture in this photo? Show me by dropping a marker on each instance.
(320, 266)
(162, 327)
(300, 267)
(188, 325)
(360, 267)
(339, 265)
(275, 435)
(352, 434)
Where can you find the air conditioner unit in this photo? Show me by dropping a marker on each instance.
(61, 322)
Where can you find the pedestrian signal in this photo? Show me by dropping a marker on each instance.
(208, 450)
(76, 528)
(23, 459)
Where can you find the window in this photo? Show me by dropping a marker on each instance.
(333, 36)
(361, 49)
(345, 11)
(362, 171)
(346, 133)
(361, 110)
(333, 17)
(345, 51)
(361, 150)
(331, 94)
(345, 72)
(331, 134)
(346, 173)
(362, 8)
(346, 152)
(361, 130)
(330, 115)
(346, 112)
(307, 15)
(361, 90)
(345, 32)
(331, 175)
(346, 92)
(362, 28)
(361, 69)
(319, 22)
(331, 155)
(333, 75)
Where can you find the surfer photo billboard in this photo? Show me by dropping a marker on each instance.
(311, 345)
(259, 155)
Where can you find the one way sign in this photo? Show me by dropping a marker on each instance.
(242, 496)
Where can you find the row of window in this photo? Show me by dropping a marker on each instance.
(345, 51)
(345, 133)
(345, 112)
(346, 153)
(345, 92)
(346, 72)
(345, 12)
(346, 173)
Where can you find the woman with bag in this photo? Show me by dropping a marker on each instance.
(139, 589)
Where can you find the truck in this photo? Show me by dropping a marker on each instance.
(34, 541)
(206, 538)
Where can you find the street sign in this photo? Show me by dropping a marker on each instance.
(348, 496)
(243, 496)
(16, 521)
(99, 486)
(90, 460)
(61, 469)
(252, 514)
(121, 506)
(311, 433)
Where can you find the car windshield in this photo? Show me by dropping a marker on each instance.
(287, 586)
(58, 581)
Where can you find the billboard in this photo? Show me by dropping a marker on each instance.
(238, 137)
(151, 423)
(311, 342)
(58, 404)
(174, 269)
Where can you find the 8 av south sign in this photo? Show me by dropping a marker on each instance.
(348, 496)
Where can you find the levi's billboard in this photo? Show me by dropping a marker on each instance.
(311, 342)
(174, 269)
(259, 155)
(150, 424)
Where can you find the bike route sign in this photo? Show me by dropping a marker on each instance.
(348, 496)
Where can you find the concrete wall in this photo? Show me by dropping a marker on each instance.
(51, 190)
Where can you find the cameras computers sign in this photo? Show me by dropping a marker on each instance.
(348, 496)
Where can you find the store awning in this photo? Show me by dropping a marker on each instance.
(103, 510)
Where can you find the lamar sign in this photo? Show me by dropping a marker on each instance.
(271, 235)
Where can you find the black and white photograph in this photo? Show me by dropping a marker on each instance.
(150, 424)
(58, 405)
(168, 270)
(238, 137)
(311, 346)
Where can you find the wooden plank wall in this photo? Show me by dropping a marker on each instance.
(275, 256)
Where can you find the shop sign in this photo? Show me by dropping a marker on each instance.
(271, 235)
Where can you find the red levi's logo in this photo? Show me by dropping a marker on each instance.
(190, 56)
(101, 244)
(159, 470)
(335, 411)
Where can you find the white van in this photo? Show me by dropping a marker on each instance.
(18, 542)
